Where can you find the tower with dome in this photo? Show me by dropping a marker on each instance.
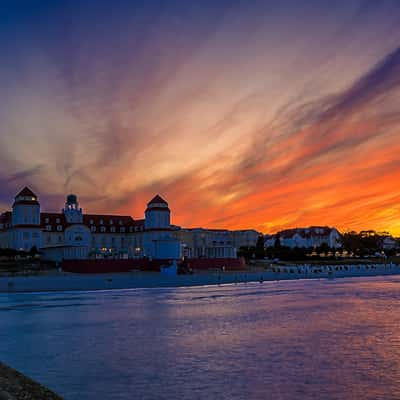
(72, 234)
(158, 240)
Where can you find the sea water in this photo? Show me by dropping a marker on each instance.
(310, 339)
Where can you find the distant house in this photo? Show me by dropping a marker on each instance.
(389, 243)
(313, 236)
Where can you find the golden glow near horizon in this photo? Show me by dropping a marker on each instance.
(244, 117)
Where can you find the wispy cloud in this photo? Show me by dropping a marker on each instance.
(258, 115)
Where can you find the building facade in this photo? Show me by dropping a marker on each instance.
(313, 236)
(72, 234)
(214, 243)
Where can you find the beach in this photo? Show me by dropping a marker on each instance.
(62, 281)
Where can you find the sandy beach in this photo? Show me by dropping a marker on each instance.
(62, 281)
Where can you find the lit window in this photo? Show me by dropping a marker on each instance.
(111, 222)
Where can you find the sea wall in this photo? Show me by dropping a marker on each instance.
(102, 266)
(70, 281)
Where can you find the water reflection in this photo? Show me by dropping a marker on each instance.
(283, 340)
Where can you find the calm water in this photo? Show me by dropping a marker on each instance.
(287, 340)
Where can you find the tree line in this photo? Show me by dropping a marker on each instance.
(359, 244)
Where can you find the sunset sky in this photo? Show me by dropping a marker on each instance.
(242, 114)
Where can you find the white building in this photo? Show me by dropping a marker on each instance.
(71, 234)
(313, 236)
(214, 243)
(390, 243)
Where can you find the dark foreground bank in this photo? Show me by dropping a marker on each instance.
(16, 386)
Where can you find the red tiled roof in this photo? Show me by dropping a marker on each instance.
(92, 220)
(5, 217)
(50, 219)
(5, 220)
(117, 220)
(106, 223)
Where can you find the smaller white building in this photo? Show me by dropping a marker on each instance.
(390, 243)
(313, 236)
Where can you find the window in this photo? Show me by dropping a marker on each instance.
(111, 222)
(46, 220)
(93, 229)
(48, 227)
(60, 239)
(122, 230)
(91, 222)
(120, 222)
(26, 235)
(131, 229)
(113, 229)
(101, 222)
(59, 228)
(57, 220)
(103, 229)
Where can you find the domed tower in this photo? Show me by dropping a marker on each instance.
(26, 220)
(26, 209)
(157, 214)
(72, 211)
(158, 242)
